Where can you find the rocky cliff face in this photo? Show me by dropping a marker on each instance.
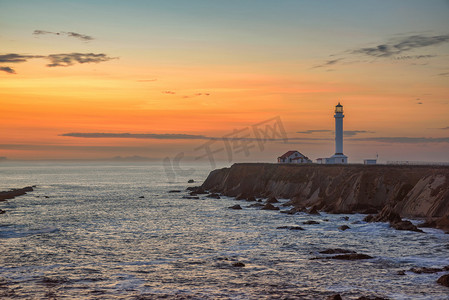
(411, 191)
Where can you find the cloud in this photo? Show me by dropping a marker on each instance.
(7, 70)
(405, 57)
(80, 36)
(328, 63)
(57, 60)
(69, 59)
(397, 46)
(310, 131)
(444, 128)
(444, 74)
(164, 136)
(345, 133)
(404, 140)
(17, 58)
(169, 92)
(355, 132)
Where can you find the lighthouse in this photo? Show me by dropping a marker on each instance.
(339, 129)
(338, 157)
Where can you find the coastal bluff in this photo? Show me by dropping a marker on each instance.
(410, 191)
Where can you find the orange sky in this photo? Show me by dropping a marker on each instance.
(167, 72)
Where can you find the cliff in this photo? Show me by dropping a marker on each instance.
(411, 191)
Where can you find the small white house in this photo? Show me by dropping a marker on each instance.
(370, 161)
(294, 157)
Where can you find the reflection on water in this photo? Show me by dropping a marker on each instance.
(93, 237)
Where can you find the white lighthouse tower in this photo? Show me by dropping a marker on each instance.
(338, 157)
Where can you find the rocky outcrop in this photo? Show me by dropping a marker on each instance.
(408, 191)
(11, 194)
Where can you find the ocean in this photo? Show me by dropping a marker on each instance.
(114, 231)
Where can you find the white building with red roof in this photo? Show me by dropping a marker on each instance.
(293, 157)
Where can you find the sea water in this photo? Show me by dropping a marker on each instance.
(85, 232)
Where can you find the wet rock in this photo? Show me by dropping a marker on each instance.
(426, 270)
(251, 199)
(345, 218)
(213, 195)
(11, 194)
(46, 197)
(344, 227)
(405, 225)
(235, 207)
(270, 206)
(401, 272)
(444, 280)
(241, 197)
(356, 222)
(325, 220)
(352, 256)
(336, 251)
(141, 197)
(191, 181)
(196, 190)
(238, 264)
(272, 200)
(313, 211)
(334, 297)
(174, 191)
(291, 211)
(310, 222)
(2, 211)
(290, 227)
(386, 215)
(368, 218)
(191, 197)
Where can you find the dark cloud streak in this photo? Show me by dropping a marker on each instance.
(80, 36)
(399, 45)
(69, 59)
(56, 60)
(164, 136)
(8, 70)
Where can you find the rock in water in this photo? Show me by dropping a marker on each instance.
(270, 206)
(310, 222)
(174, 191)
(238, 264)
(191, 181)
(213, 195)
(344, 227)
(405, 225)
(272, 200)
(336, 251)
(290, 227)
(334, 297)
(235, 207)
(426, 270)
(352, 256)
(444, 280)
(313, 211)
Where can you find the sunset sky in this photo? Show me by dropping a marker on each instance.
(99, 79)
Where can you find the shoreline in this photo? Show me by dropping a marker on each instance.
(388, 192)
(13, 193)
